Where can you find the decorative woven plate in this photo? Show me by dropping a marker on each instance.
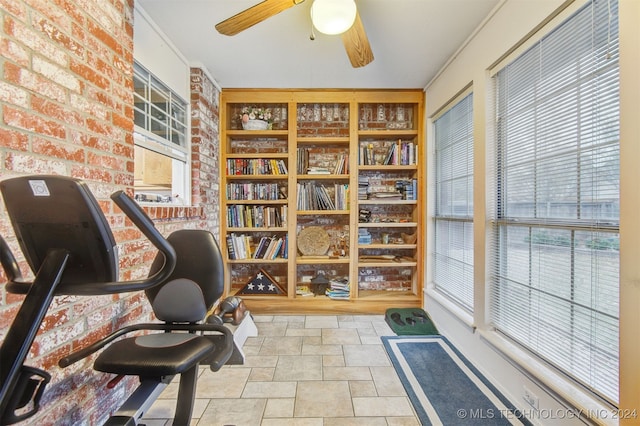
(313, 241)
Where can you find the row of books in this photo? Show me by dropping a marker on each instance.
(256, 166)
(240, 246)
(340, 166)
(396, 154)
(338, 288)
(272, 248)
(255, 191)
(247, 216)
(315, 196)
(403, 189)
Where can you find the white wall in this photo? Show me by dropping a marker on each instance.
(512, 22)
(153, 51)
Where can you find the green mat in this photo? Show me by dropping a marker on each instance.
(410, 321)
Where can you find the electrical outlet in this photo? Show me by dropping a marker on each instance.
(531, 398)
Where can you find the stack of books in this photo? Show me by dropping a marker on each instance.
(317, 170)
(364, 237)
(363, 187)
(338, 288)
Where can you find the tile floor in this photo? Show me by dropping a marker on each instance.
(315, 370)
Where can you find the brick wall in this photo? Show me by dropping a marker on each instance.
(66, 108)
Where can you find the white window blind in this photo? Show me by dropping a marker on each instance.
(554, 278)
(453, 219)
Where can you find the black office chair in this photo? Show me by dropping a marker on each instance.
(68, 244)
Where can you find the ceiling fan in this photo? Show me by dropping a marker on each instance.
(354, 37)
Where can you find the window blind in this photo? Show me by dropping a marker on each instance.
(453, 218)
(555, 249)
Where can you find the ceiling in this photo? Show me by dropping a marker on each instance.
(411, 41)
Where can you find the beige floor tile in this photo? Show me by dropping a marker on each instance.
(259, 361)
(340, 336)
(384, 406)
(303, 331)
(355, 421)
(222, 412)
(387, 381)
(312, 340)
(346, 373)
(291, 319)
(281, 346)
(362, 388)
(226, 383)
(333, 360)
(365, 355)
(266, 329)
(323, 399)
(383, 329)
(253, 341)
(356, 324)
(259, 374)
(166, 409)
(310, 349)
(370, 340)
(367, 332)
(269, 390)
(293, 422)
(263, 318)
(251, 350)
(321, 321)
(403, 421)
(279, 407)
(295, 368)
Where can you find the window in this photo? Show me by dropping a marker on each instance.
(453, 219)
(554, 280)
(161, 155)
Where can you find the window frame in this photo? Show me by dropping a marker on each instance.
(500, 220)
(460, 293)
(177, 113)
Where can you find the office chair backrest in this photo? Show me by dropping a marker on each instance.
(196, 282)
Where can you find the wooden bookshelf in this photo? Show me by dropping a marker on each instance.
(330, 127)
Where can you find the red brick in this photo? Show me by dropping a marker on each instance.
(91, 173)
(51, 31)
(105, 38)
(89, 74)
(25, 78)
(10, 50)
(14, 140)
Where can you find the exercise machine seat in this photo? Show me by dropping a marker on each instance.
(186, 296)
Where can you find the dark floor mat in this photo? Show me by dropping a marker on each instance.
(410, 321)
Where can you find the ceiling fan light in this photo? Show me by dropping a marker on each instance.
(333, 16)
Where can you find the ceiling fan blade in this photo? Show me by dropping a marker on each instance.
(254, 15)
(357, 44)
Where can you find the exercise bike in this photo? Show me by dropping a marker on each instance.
(69, 246)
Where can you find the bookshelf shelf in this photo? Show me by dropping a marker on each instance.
(306, 260)
(322, 212)
(388, 225)
(325, 131)
(257, 261)
(262, 202)
(322, 177)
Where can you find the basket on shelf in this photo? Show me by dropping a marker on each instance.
(255, 125)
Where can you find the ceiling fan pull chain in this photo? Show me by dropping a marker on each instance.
(313, 35)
